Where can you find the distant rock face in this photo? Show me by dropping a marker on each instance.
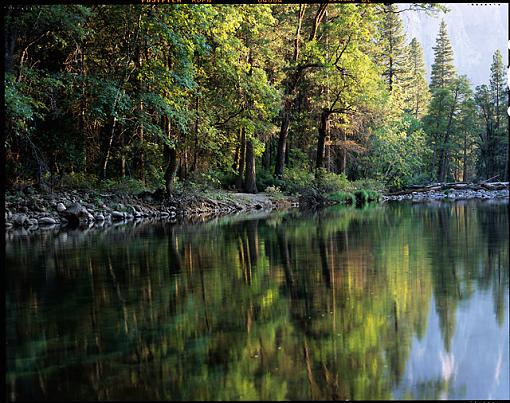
(475, 31)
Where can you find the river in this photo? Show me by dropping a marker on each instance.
(393, 301)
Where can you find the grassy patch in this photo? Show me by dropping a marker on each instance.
(343, 197)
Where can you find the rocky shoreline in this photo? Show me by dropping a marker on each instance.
(450, 194)
(453, 194)
(33, 210)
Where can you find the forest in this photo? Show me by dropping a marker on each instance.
(247, 97)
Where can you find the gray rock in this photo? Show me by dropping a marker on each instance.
(117, 215)
(32, 222)
(46, 221)
(19, 219)
(99, 217)
(61, 207)
(75, 213)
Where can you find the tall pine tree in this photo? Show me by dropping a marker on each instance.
(443, 69)
(446, 91)
(491, 101)
(415, 87)
(392, 46)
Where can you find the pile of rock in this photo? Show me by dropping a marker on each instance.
(77, 213)
(452, 194)
(33, 210)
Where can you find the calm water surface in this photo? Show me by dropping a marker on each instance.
(397, 301)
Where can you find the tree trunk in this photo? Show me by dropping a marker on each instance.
(171, 168)
(236, 158)
(10, 44)
(443, 155)
(242, 153)
(266, 157)
(170, 155)
(250, 185)
(464, 165)
(319, 162)
(342, 157)
(122, 155)
(443, 158)
(507, 168)
(287, 106)
(282, 140)
(140, 158)
(109, 146)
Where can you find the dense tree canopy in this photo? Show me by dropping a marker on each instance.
(243, 96)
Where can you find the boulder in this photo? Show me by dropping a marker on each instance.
(61, 207)
(117, 215)
(19, 220)
(46, 221)
(32, 222)
(75, 214)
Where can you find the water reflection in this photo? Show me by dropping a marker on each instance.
(395, 301)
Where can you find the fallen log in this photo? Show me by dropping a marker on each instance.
(451, 186)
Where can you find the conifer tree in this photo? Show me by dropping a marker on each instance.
(415, 87)
(443, 69)
(491, 101)
(393, 53)
(500, 101)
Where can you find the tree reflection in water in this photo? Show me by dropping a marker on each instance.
(322, 305)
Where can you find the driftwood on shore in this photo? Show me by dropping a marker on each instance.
(451, 185)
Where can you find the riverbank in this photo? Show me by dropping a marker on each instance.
(451, 191)
(32, 209)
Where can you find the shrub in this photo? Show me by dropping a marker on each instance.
(328, 182)
(205, 180)
(361, 196)
(273, 189)
(373, 195)
(343, 197)
(124, 185)
(228, 180)
(297, 180)
(266, 179)
(368, 184)
(80, 180)
(365, 196)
